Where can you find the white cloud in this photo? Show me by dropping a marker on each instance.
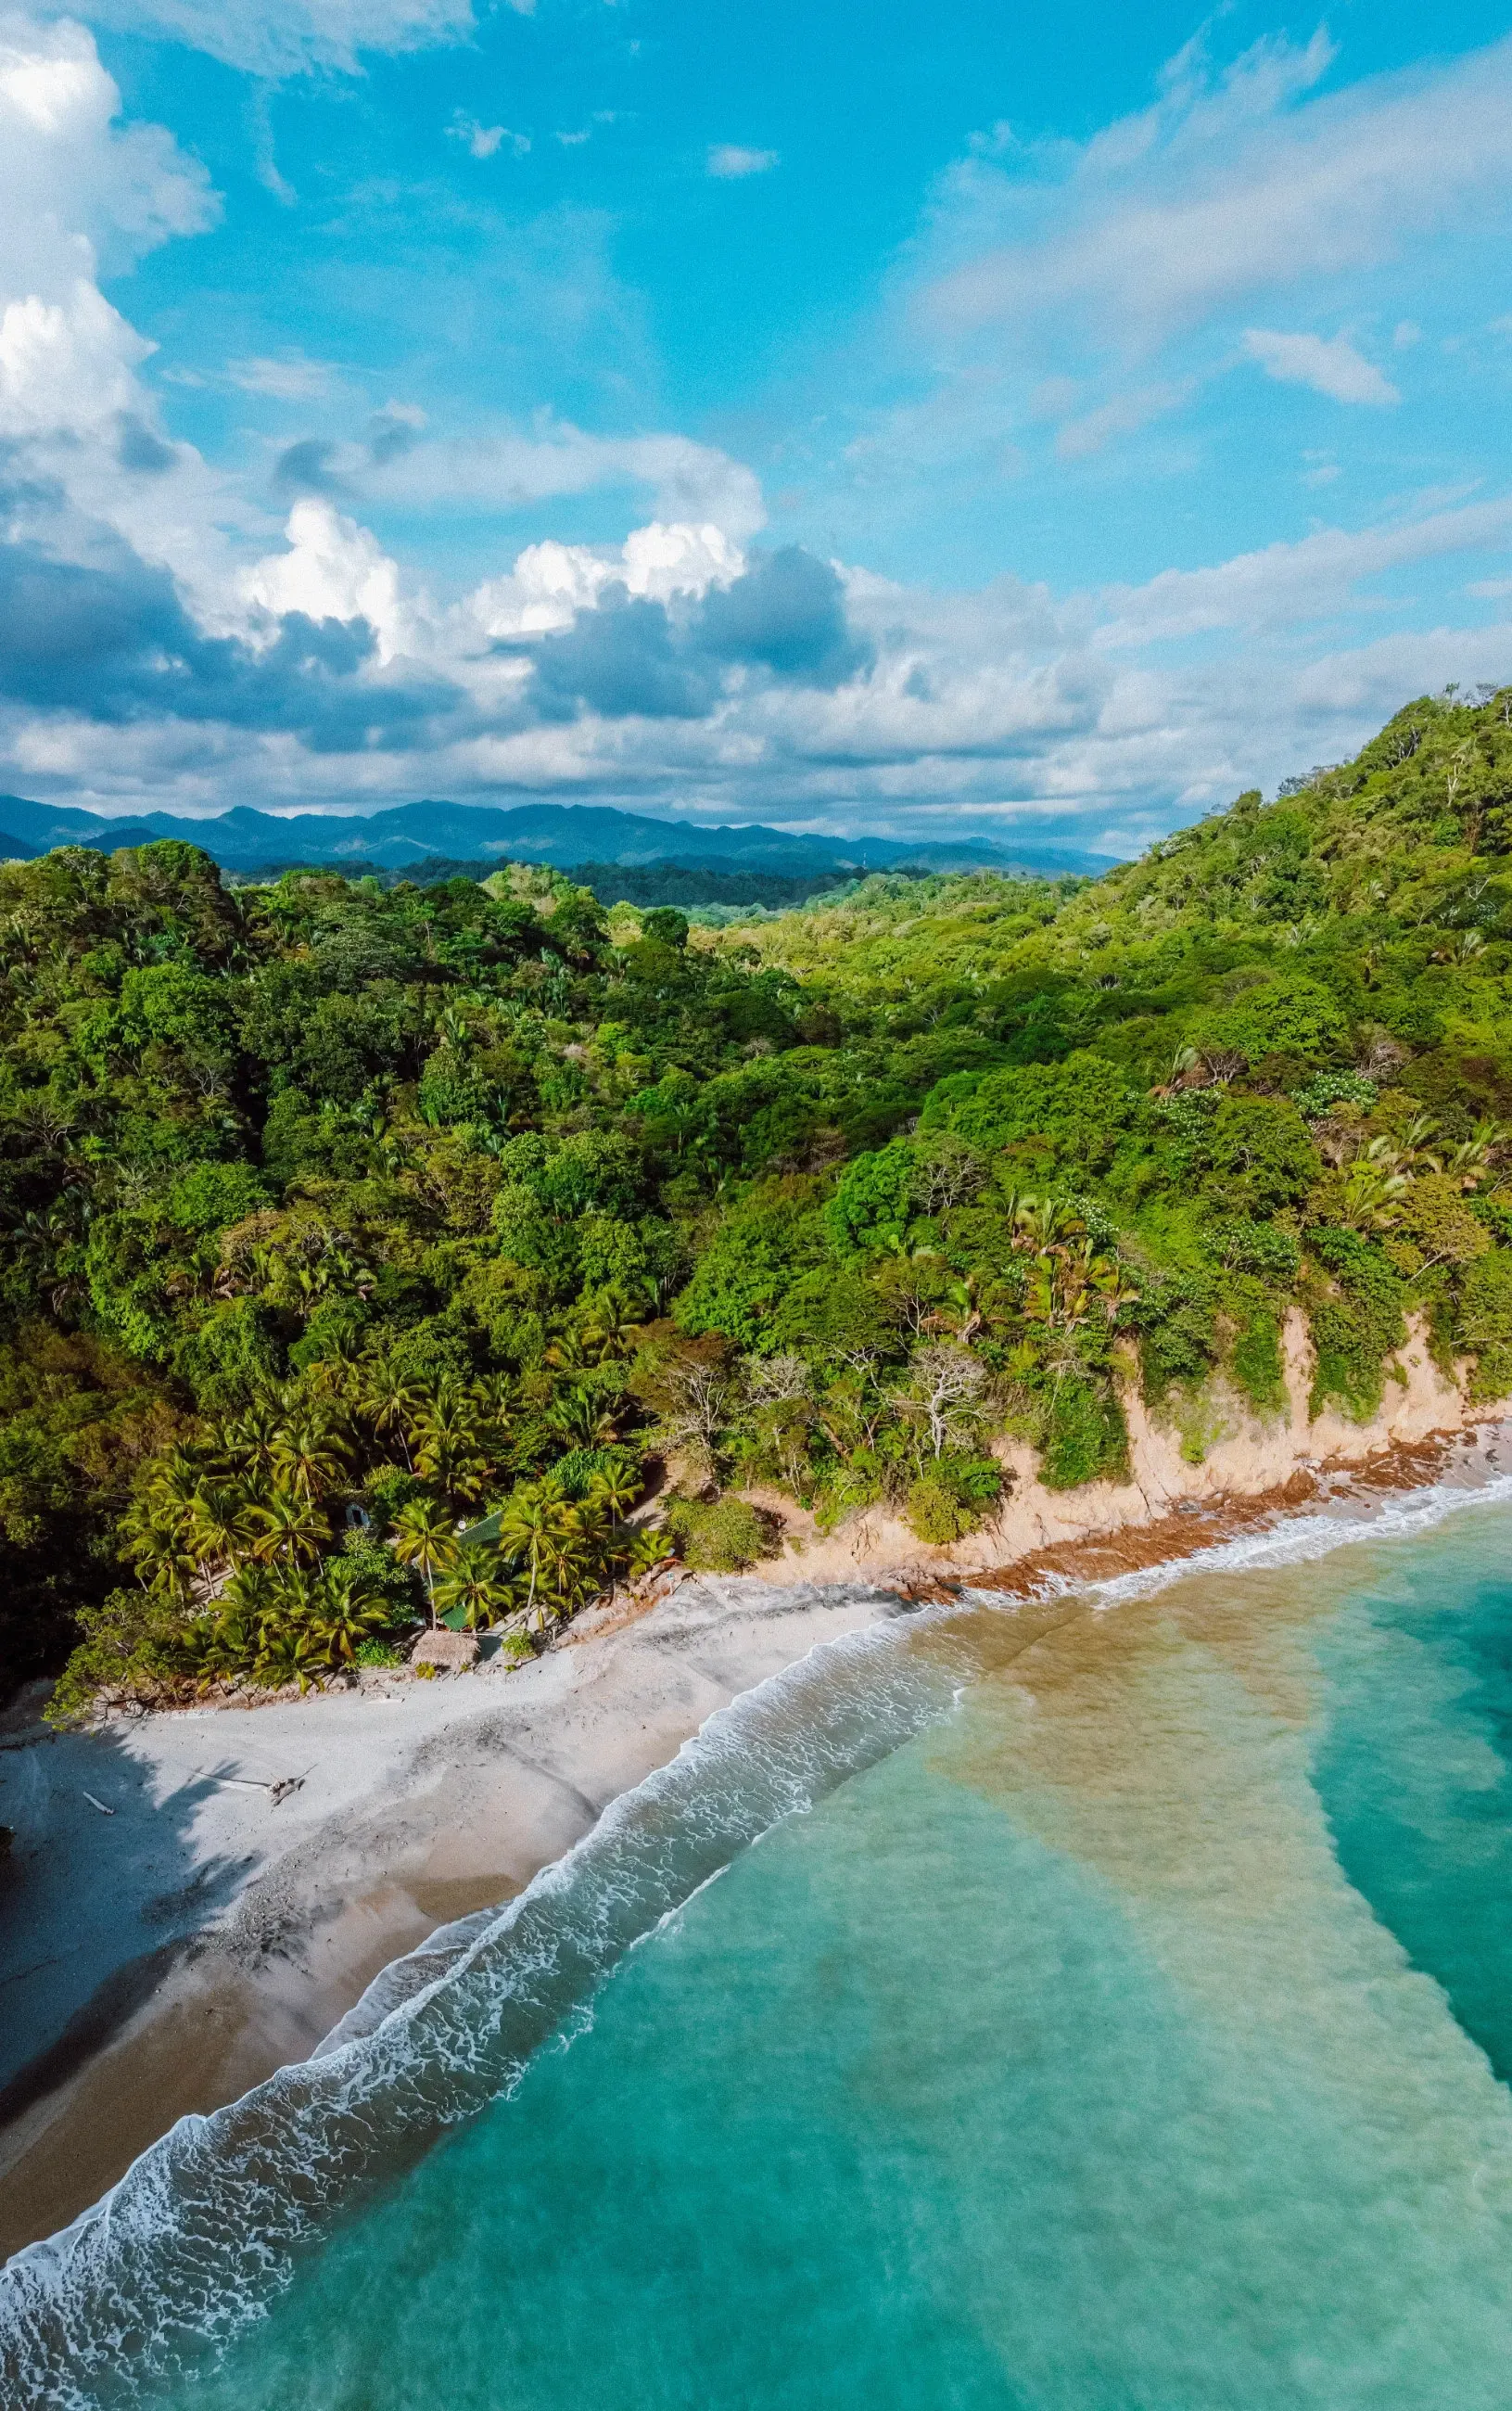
(731, 159)
(282, 38)
(1123, 416)
(290, 377)
(1330, 367)
(484, 140)
(1010, 707)
(550, 581)
(1226, 188)
(78, 193)
(333, 570)
(509, 469)
(1284, 585)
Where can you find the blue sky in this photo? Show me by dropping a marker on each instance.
(1046, 422)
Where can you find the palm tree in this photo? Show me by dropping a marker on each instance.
(388, 1401)
(158, 1545)
(1469, 1161)
(425, 1536)
(288, 1528)
(1045, 1226)
(1376, 1187)
(615, 1489)
(173, 1486)
(450, 1434)
(308, 1454)
(582, 1419)
(1111, 1279)
(475, 1581)
(248, 1442)
(539, 1526)
(218, 1525)
(345, 1612)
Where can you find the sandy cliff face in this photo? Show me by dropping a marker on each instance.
(1253, 1455)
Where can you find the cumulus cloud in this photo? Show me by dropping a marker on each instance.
(1333, 368)
(282, 37)
(627, 655)
(551, 581)
(79, 194)
(113, 643)
(332, 570)
(732, 160)
(787, 615)
(82, 195)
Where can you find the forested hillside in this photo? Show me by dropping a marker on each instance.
(338, 1218)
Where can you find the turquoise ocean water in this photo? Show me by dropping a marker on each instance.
(1099, 2005)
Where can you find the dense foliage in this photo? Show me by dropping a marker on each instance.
(690, 885)
(378, 1252)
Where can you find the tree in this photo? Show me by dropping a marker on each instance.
(690, 1388)
(448, 1445)
(425, 1536)
(474, 1580)
(543, 1532)
(388, 1400)
(308, 1454)
(945, 1393)
(290, 1528)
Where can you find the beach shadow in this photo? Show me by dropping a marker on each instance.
(102, 1892)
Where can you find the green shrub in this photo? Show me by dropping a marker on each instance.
(378, 1653)
(935, 1513)
(1265, 1248)
(1200, 1422)
(952, 1496)
(1326, 1089)
(130, 1646)
(1485, 1324)
(1087, 1438)
(1177, 1341)
(722, 1537)
(1355, 1333)
(1255, 1363)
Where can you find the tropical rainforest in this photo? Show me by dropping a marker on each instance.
(375, 1253)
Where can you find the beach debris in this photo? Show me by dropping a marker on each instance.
(98, 1804)
(281, 1789)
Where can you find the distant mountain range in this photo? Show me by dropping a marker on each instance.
(563, 835)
